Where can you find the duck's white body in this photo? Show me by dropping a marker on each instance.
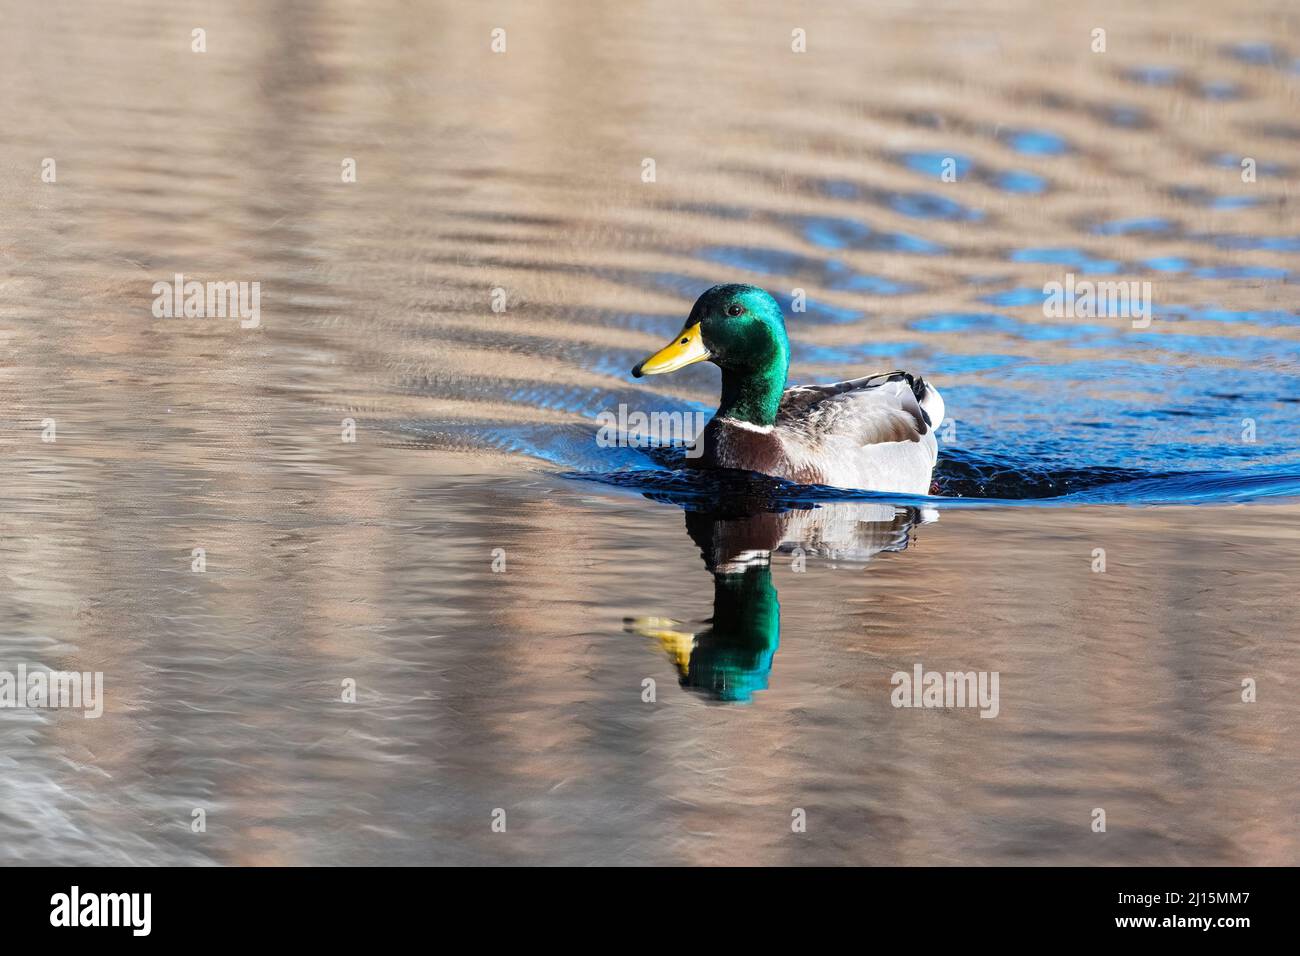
(871, 434)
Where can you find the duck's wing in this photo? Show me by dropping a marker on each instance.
(890, 407)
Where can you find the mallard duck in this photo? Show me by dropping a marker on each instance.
(874, 433)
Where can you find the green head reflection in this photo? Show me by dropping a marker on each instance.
(731, 656)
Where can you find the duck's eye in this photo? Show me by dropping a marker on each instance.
(734, 309)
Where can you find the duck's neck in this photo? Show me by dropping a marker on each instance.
(753, 395)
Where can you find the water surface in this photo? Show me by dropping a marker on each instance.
(500, 588)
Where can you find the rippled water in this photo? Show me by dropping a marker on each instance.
(499, 587)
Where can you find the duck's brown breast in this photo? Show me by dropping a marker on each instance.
(730, 444)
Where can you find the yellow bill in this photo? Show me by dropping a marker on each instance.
(687, 349)
(678, 644)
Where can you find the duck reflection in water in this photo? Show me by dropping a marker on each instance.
(731, 657)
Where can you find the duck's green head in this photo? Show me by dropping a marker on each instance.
(740, 329)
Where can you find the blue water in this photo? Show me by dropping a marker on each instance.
(1108, 452)
(1122, 415)
(1129, 416)
(935, 259)
(1147, 416)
